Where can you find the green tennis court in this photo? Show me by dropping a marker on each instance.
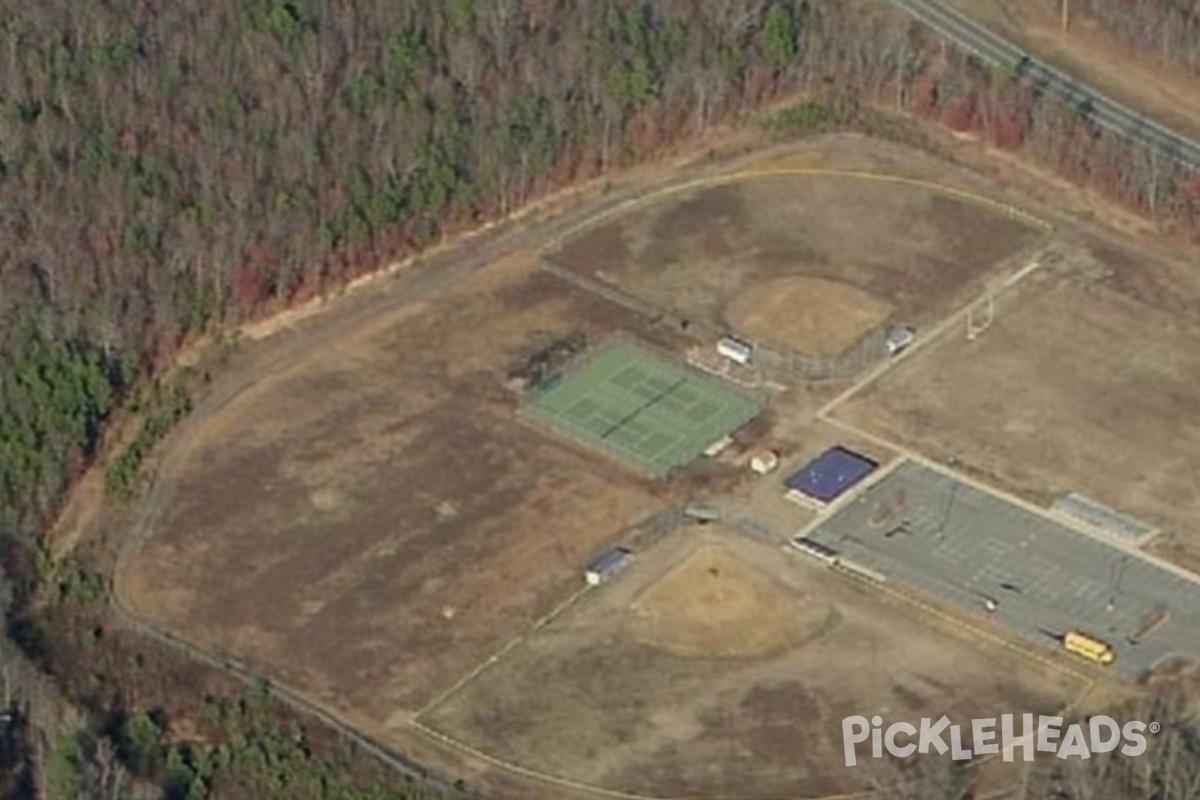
(641, 407)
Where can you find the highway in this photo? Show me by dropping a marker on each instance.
(1102, 110)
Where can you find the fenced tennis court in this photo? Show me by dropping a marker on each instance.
(637, 405)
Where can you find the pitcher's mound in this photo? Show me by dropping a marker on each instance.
(815, 316)
(714, 605)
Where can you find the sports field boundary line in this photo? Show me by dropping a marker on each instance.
(1065, 712)
(650, 402)
(907, 454)
(742, 403)
(639, 527)
(1086, 684)
(1130, 548)
(1012, 284)
(962, 625)
(581, 443)
(196, 652)
(957, 317)
(963, 622)
(981, 633)
(517, 769)
(825, 414)
(491, 660)
(579, 786)
(655, 312)
(1000, 206)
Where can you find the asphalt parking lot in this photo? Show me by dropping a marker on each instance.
(959, 543)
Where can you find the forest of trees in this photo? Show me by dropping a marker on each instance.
(1168, 770)
(167, 170)
(1165, 29)
(163, 171)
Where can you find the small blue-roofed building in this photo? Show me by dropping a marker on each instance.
(607, 565)
(829, 475)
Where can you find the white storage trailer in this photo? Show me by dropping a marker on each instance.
(736, 350)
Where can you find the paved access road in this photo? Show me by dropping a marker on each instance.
(957, 543)
(1103, 110)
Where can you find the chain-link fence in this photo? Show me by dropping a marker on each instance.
(867, 351)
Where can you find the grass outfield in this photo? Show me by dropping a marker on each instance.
(634, 404)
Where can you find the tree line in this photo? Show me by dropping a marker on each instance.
(1165, 29)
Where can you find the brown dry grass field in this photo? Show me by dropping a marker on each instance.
(804, 262)
(377, 519)
(1076, 386)
(717, 666)
(371, 524)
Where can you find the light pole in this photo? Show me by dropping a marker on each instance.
(1118, 573)
(1066, 15)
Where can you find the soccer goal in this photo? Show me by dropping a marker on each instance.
(981, 315)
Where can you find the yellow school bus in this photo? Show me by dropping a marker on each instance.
(1087, 647)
